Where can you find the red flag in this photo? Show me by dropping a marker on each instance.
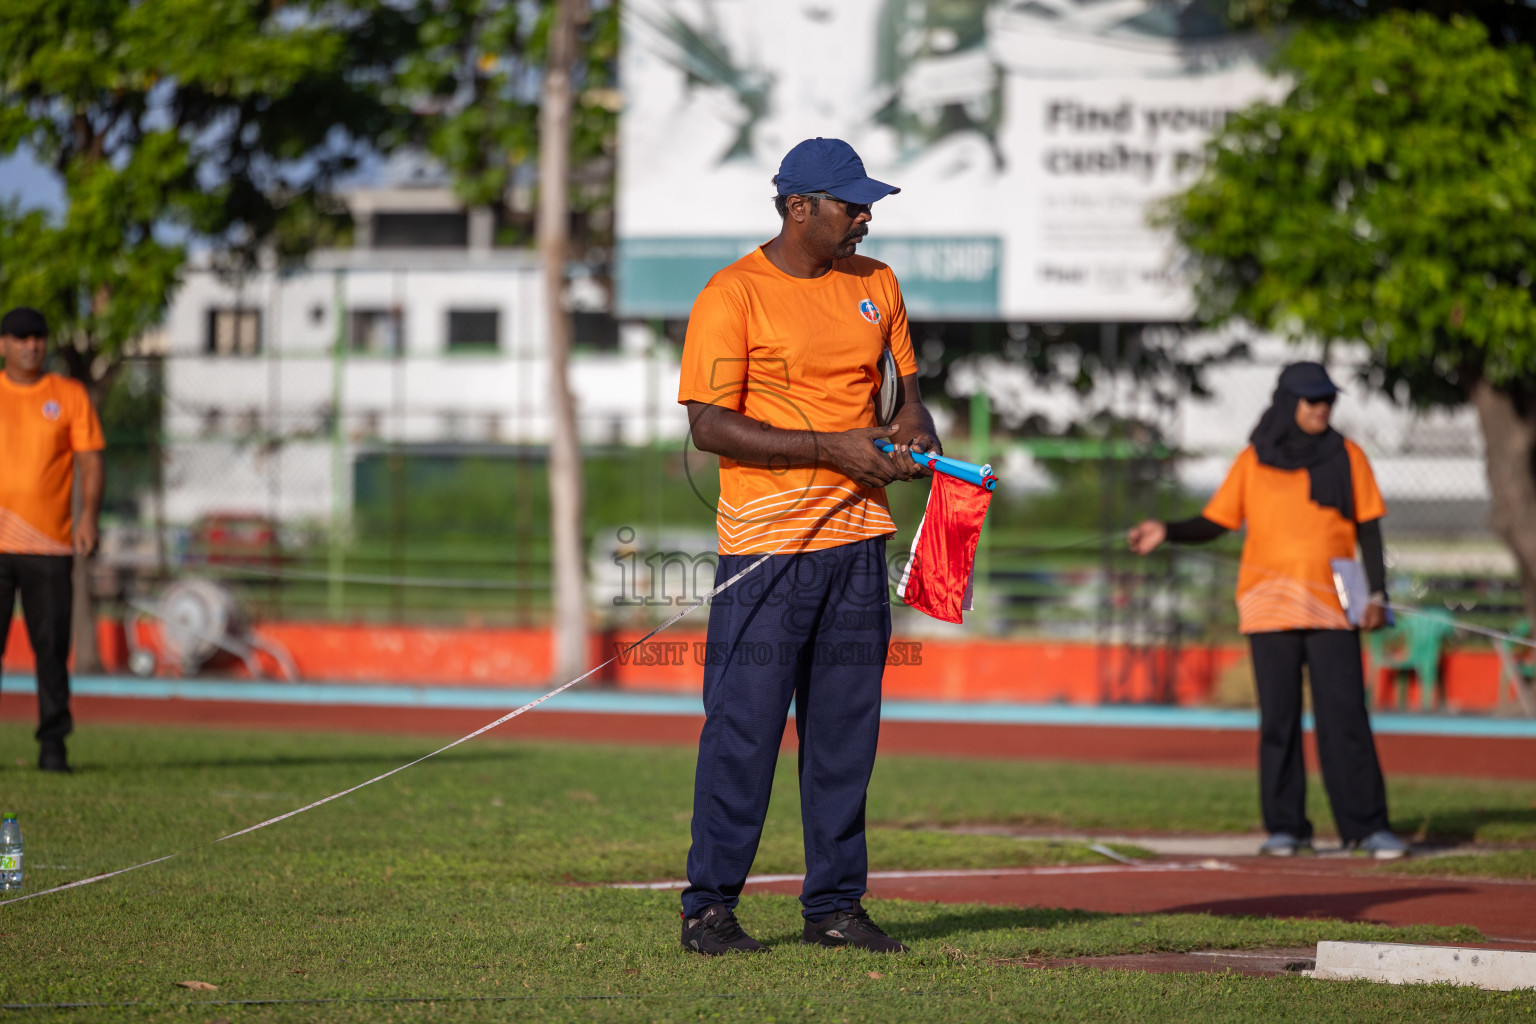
(937, 580)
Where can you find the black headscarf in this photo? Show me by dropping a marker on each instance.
(1282, 444)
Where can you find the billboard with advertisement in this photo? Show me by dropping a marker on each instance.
(1029, 138)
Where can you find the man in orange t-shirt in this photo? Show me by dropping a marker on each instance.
(1307, 497)
(47, 430)
(779, 372)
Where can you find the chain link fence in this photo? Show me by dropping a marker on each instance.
(404, 510)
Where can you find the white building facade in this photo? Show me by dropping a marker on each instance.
(422, 335)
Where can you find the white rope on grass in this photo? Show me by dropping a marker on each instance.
(718, 589)
(1459, 623)
(1470, 627)
(394, 771)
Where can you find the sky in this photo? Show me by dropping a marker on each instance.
(24, 180)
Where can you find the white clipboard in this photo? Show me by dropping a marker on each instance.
(1354, 590)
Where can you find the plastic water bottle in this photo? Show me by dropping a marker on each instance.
(10, 854)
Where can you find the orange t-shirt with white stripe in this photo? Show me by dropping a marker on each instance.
(42, 426)
(1286, 581)
(799, 354)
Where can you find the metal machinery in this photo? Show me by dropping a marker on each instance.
(198, 619)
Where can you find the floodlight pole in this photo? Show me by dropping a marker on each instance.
(565, 490)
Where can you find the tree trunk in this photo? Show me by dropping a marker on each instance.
(565, 497)
(1509, 432)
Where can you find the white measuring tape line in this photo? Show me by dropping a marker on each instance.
(1470, 627)
(1459, 623)
(462, 739)
(566, 686)
(719, 589)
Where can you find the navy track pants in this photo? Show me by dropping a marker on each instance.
(811, 627)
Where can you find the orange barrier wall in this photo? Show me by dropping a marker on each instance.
(975, 670)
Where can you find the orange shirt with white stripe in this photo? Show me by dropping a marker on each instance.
(1286, 581)
(42, 426)
(799, 354)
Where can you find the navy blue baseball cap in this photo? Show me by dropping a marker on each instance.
(1309, 380)
(831, 166)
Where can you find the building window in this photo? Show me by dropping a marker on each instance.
(420, 230)
(597, 331)
(234, 332)
(473, 330)
(375, 331)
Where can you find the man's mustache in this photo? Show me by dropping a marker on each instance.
(855, 235)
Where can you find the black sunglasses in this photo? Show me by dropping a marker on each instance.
(851, 209)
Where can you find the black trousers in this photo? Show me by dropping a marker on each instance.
(47, 598)
(1351, 772)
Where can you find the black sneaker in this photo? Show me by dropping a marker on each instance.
(51, 756)
(715, 931)
(850, 927)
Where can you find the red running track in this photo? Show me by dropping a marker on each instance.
(1486, 757)
(1505, 912)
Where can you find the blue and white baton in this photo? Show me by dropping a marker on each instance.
(971, 473)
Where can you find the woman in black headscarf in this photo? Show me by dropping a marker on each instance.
(1307, 497)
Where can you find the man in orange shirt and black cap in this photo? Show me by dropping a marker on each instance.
(47, 429)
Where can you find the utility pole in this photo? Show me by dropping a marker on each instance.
(565, 484)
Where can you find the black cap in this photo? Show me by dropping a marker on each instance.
(1309, 380)
(24, 322)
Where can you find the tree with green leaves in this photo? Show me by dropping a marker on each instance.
(220, 122)
(1390, 199)
(1507, 23)
(475, 83)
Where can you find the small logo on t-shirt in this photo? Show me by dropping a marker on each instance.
(870, 311)
(51, 410)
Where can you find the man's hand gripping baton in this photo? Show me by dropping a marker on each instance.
(981, 476)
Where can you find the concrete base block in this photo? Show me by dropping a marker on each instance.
(1498, 970)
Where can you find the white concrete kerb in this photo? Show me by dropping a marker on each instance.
(1498, 970)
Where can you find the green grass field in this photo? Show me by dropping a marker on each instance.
(452, 885)
(1517, 864)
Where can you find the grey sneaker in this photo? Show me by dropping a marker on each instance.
(715, 931)
(1382, 845)
(1283, 844)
